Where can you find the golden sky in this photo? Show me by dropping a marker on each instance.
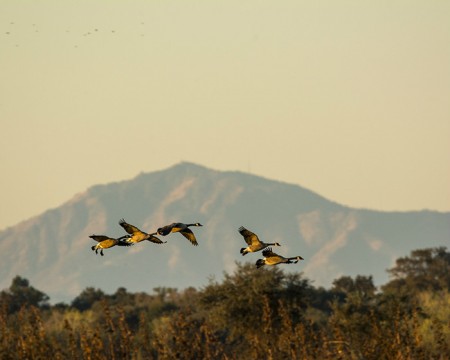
(350, 99)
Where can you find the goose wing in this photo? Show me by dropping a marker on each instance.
(130, 229)
(188, 234)
(99, 238)
(268, 253)
(124, 243)
(155, 240)
(249, 237)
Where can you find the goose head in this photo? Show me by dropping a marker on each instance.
(161, 231)
(259, 263)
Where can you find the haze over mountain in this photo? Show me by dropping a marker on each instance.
(53, 250)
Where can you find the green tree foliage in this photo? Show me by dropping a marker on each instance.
(87, 298)
(235, 305)
(362, 286)
(424, 270)
(20, 293)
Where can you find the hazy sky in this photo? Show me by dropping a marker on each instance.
(350, 99)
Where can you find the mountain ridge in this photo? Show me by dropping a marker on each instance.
(54, 248)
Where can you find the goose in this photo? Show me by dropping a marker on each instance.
(254, 244)
(270, 258)
(183, 229)
(137, 235)
(106, 242)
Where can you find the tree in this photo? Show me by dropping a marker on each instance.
(235, 306)
(424, 270)
(20, 293)
(351, 309)
(87, 298)
(361, 285)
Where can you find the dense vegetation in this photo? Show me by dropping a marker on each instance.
(252, 314)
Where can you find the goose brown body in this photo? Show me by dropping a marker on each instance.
(271, 258)
(106, 242)
(137, 235)
(182, 228)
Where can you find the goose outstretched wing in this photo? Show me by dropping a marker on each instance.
(99, 238)
(124, 243)
(249, 237)
(268, 253)
(155, 240)
(130, 229)
(188, 234)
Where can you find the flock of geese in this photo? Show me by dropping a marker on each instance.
(135, 235)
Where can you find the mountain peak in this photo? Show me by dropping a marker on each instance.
(55, 248)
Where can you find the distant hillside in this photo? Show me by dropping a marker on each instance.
(53, 251)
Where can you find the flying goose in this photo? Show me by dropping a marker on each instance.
(254, 244)
(106, 242)
(270, 258)
(138, 235)
(183, 229)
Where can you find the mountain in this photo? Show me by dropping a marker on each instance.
(53, 250)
